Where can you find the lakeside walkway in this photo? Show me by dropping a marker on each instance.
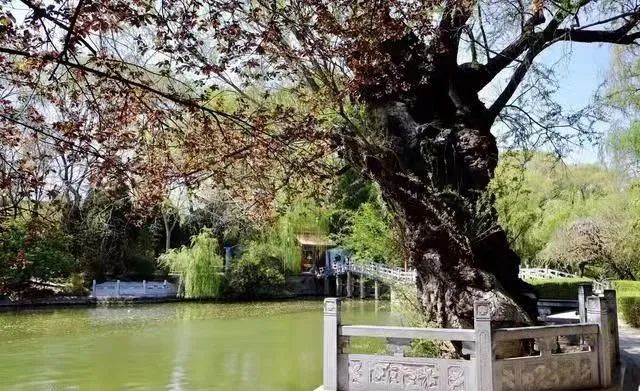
(630, 355)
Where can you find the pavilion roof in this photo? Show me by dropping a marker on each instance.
(313, 239)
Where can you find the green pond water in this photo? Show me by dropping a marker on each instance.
(181, 346)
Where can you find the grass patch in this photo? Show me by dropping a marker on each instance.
(628, 294)
(374, 345)
(630, 308)
(627, 288)
(558, 288)
(367, 345)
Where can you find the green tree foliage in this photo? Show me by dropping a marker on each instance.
(199, 265)
(369, 233)
(32, 251)
(278, 241)
(568, 216)
(352, 190)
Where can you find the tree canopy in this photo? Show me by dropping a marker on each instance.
(258, 96)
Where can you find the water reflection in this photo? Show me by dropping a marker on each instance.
(181, 346)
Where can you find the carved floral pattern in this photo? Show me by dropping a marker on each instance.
(455, 378)
(330, 306)
(355, 371)
(482, 311)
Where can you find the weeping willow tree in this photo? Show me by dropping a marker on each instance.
(280, 240)
(199, 265)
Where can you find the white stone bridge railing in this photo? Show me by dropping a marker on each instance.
(587, 363)
(540, 272)
(111, 289)
(376, 271)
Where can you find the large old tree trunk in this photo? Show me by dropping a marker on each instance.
(433, 155)
(434, 177)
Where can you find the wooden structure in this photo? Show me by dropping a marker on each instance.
(313, 248)
(589, 364)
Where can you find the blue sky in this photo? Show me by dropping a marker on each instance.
(581, 69)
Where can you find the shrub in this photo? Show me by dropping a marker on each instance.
(251, 279)
(32, 250)
(558, 288)
(75, 286)
(630, 308)
(627, 288)
(628, 293)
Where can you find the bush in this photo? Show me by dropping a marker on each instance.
(627, 288)
(630, 308)
(75, 286)
(628, 293)
(250, 279)
(29, 251)
(558, 288)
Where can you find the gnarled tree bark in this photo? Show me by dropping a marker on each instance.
(433, 174)
(433, 156)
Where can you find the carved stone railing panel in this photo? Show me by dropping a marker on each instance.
(571, 371)
(572, 357)
(390, 373)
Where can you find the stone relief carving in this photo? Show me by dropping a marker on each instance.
(330, 306)
(585, 372)
(551, 374)
(483, 311)
(418, 377)
(355, 371)
(509, 379)
(455, 378)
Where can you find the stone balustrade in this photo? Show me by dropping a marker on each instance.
(569, 357)
(110, 289)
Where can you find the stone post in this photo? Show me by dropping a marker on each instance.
(597, 313)
(93, 289)
(484, 357)
(362, 292)
(338, 285)
(330, 352)
(117, 288)
(349, 285)
(377, 289)
(144, 287)
(612, 312)
(584, 291)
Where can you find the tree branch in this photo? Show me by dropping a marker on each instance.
(117, 77)
(40, 12)
(515, 81)
(620, 35)
(454, 18)
(525, 42)
(535, 43)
